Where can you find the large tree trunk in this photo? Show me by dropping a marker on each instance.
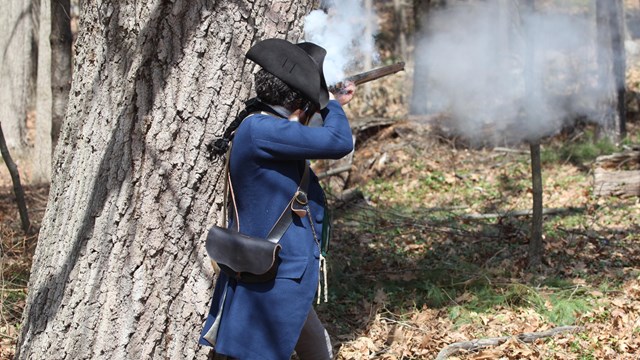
(17, 70)
(120, 270)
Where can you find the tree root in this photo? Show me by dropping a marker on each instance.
(482, 343)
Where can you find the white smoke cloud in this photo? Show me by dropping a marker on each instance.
(341, 31)
(475, 58)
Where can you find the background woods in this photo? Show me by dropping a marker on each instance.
(434, 224)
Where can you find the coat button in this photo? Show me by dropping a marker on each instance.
(319, 218)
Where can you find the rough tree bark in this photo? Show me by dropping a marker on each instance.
(17, 70)
(120, 271)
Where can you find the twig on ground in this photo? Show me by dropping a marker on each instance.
(494, 256)
(514, 213)
(476, 344)
(424, 225)
(574, 292)
(14, 290)
(513, 151)
(8, 336)
(403, 324)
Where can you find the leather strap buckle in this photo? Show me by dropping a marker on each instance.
(301, 197)
(299, 205)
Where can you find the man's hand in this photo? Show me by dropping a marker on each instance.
(344, 94)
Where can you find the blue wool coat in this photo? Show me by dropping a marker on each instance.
(263, 321)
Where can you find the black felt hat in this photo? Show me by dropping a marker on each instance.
(297, 65)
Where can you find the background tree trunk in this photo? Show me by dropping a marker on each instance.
(17, 70)
(41, 155)
(120, 270)
(617, 25)
(401, 28)
(61, 41)
(611, 65)
(419, 97)
(536, 244)
(54, 83)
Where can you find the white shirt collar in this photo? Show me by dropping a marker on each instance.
(281, 110)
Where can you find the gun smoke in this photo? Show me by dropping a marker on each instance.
(506, 75)
(342, 30)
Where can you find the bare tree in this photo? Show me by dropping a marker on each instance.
(17, 69)
(536, 243)
(120, 270)
(17, 185)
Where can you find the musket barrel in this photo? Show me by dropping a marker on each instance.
(375, 74)
(370, 75)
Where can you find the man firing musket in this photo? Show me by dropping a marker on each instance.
(276, 199)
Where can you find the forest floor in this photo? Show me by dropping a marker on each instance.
(431, 256)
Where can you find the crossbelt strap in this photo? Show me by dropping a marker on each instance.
(295, 206)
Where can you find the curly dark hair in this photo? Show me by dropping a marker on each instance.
(271, 90)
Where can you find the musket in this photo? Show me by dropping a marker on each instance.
(370, 75)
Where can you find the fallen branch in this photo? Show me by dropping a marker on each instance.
(482, 343)
(335, 171)
(553, 211)
(512, 151)
(17, 187)
(8, 336)
(362, 124)
(618, 161)
(350, 195)
(14, 290)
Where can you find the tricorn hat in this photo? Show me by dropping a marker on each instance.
(297, 65)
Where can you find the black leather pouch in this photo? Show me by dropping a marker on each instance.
(244, 258)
